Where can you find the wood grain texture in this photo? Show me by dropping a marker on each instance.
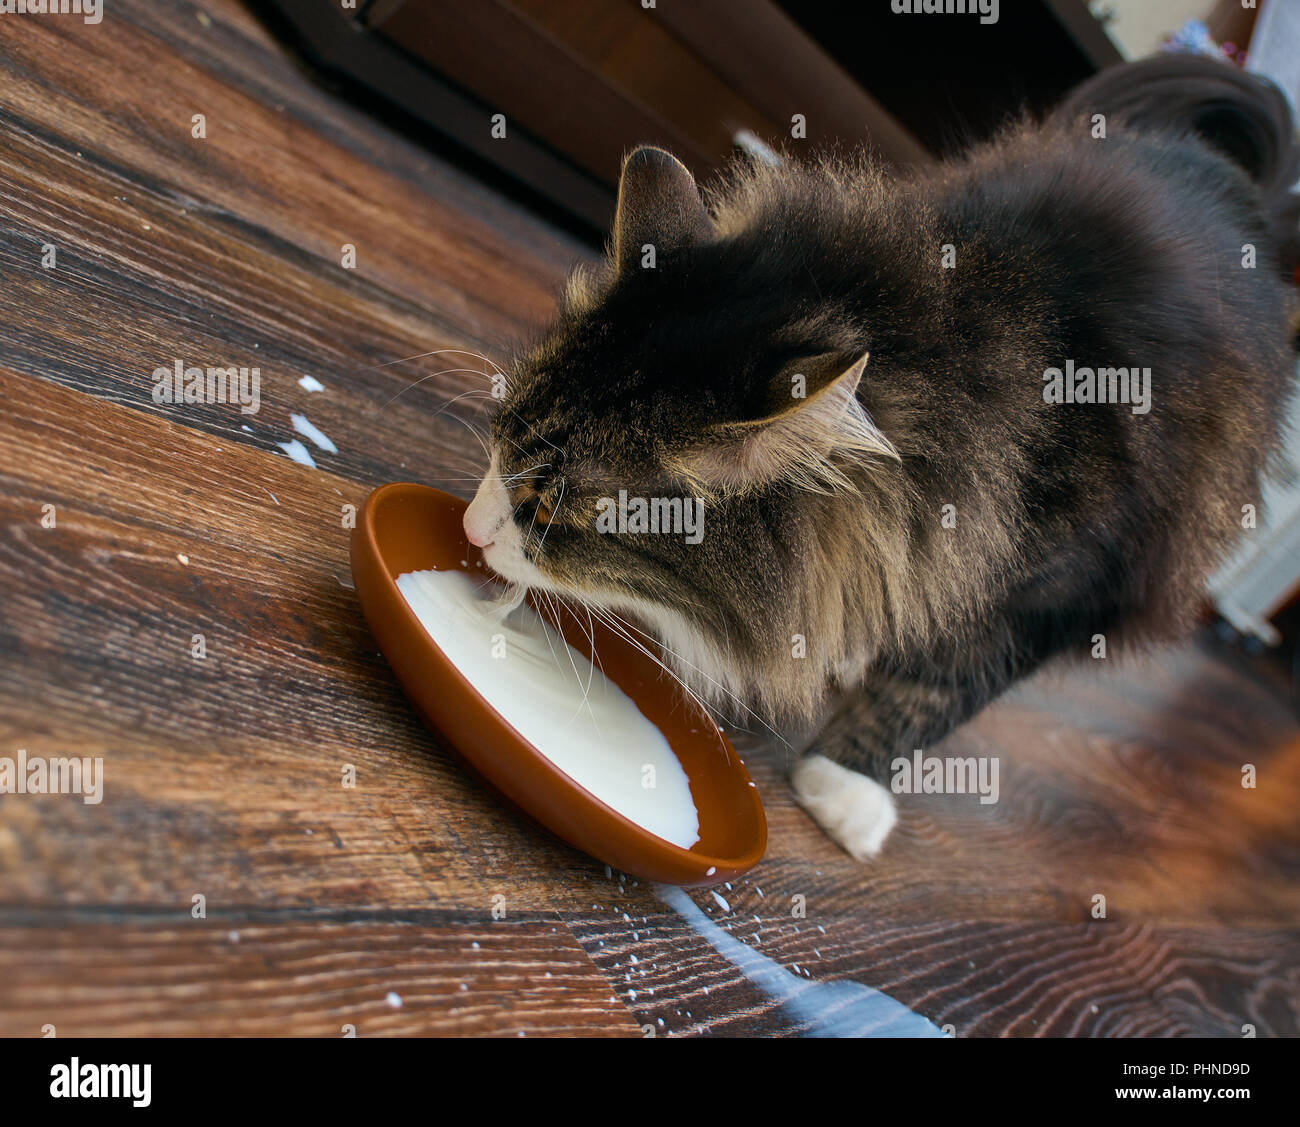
(223, 775)
(312, 978)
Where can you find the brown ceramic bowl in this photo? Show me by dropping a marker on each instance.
(407, 527)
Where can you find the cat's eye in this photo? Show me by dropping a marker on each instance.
(525, 499)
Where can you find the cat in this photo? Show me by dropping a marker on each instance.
(850, 366)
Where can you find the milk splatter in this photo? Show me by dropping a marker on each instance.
(298, 452)
(830, 1009)
(310, 431)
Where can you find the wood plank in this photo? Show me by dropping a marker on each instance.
(130, 977)
(176, 284)
(263, 171)
(983, 978)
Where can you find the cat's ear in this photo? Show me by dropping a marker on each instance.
(804, 422)
(658, 205)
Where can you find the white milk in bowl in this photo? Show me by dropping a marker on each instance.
(556, 699)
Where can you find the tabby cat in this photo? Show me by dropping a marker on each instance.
(905, 509)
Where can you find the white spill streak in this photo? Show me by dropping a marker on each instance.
(298, 452)
(830, 1009)
(311, 383)
(309, 430)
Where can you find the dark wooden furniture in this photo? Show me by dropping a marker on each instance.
(579, 82)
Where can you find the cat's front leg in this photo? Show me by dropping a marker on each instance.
(841, 777)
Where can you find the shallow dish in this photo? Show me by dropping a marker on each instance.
(404, 527)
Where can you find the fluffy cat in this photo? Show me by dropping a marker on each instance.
(849, 366)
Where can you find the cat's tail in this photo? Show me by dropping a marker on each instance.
(1241, 115)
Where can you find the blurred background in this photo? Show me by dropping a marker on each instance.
(577, 82)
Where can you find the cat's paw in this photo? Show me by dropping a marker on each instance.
(855, 811)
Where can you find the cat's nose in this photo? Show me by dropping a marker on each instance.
(489, 510)
(483, 519)
(478, 533)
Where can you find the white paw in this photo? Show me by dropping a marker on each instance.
(856, 812)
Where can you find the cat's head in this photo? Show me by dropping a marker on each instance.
(680, 445)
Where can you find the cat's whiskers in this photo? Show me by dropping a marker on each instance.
(603, 616)
(556, 594)
(497, 370)
(472, 392)
(551, 598)
(555, 614)
(586, 693)
(590, 634)
(476, 392)
(591, 625)
(477, 475)
(435, 352)
(524, 474)
(512, 597)
(475, 432)
(716, 685)
(591, 639)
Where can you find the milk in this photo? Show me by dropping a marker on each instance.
(557, 700)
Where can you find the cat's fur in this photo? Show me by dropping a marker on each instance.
(825, 515)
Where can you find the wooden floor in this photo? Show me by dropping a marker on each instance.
(373, 906)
